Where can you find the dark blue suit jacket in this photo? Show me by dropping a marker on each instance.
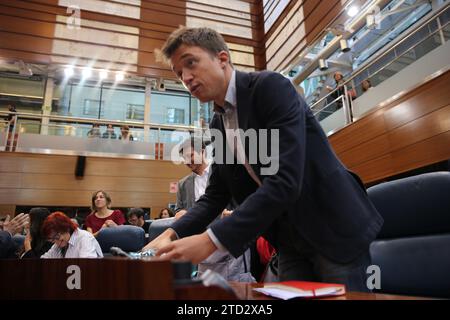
(327, 205)
(7, 246)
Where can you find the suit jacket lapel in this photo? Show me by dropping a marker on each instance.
(192, 189)
(243, 93)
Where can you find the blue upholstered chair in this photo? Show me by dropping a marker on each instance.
(413, 247)
(159, 226)
(128, 238)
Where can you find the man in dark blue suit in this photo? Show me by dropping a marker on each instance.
(9, 228)
(314, 211)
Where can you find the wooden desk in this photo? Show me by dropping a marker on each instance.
(244, 291)
(89, 279)
(121, 278)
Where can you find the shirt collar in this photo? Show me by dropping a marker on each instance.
(205, 172)
(72, 237)
(230, 96)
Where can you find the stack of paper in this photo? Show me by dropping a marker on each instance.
(301, 289)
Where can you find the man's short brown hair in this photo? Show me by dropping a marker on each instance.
(205, 38)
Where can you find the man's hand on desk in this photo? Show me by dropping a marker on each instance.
(194, 248)
(161, 241)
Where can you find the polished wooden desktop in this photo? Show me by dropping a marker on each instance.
(120, 278)
(86, 279)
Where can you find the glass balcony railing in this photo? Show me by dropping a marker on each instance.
(71, 136)
(433, 33)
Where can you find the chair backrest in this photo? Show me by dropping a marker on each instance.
(159, 226)
(412, 247)
(128, 238)
(149, 221)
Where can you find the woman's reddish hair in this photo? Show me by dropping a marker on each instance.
(57, 222)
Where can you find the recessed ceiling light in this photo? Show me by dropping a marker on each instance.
(352, 11)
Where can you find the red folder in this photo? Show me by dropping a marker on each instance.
(301, 289)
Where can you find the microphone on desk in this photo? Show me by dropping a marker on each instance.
(116, 251)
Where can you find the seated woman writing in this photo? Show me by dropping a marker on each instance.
(68, 240)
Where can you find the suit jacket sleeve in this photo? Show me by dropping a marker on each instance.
(7, 246)
(276, 101)
(180, 198)
(183, 193)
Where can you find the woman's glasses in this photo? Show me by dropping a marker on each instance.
(55, 237)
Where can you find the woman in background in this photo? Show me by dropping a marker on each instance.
(166, 213)
(68, 240)
(35, 245)
(102, 216)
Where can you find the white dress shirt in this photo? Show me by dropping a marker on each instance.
(82, 244)
(229, 116)
(231, 122)
(200, 182)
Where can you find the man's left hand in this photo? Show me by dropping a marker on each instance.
(194, 248)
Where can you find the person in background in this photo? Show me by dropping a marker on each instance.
(166, 213)
(35, 245)
(190, 189)
(102, 216)
(75, 221)
(95, 131)
(136, 218)
(366, 85)
(68, 240)
(11, 227)
(12, 117)
(109, 133)
(125, 134)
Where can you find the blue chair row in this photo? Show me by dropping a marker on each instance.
(131, 238)
(412, 249)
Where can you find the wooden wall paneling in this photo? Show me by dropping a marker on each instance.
(10, 164)
(89, 183)
(20, 25)
(423, 128)
(7, 209)
(49, 180)
(366, 151)
(77, 198)
(314, 23)
(321, 17)
(274, 12)
(274, 38)
(414, 132)
(10, 180)
(310, 37)
(426, 99)
(157, 19)
(375, 169)
(23, 42)
(425, 152)
(280, 19)
(359, 132)
(296, 26)
(420, 102)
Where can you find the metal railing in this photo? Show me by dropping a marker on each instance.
(317, 107)
(68, 135)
